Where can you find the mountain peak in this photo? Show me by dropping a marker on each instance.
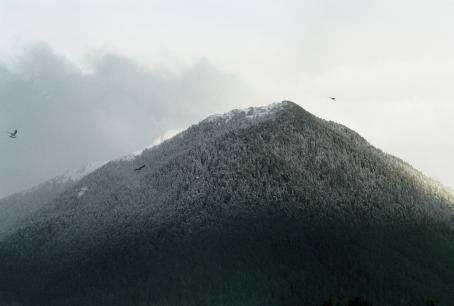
(252, 112)
(254, 203)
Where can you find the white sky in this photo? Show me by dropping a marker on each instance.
(390, 63)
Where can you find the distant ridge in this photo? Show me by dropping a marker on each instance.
(15, 208)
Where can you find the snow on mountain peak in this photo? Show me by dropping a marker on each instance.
(250, 112)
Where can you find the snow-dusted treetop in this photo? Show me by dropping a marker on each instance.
(82, 191)
(250, 112)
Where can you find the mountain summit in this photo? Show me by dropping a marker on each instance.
(261, 206)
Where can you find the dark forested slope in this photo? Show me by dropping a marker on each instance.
(267, 206)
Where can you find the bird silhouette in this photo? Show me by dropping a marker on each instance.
(13, 134)
(332, 98)
(139, 168)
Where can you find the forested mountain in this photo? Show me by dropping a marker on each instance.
(263, 206)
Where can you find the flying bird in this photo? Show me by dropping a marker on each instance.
(332, 98)
(140, 168)
(13, 134)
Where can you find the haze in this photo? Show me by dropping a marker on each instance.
(93, 80)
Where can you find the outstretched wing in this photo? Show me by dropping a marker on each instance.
(12, 134)
(140, 168)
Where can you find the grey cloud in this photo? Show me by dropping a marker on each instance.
(67, 117)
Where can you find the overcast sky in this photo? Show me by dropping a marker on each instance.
(90, 80)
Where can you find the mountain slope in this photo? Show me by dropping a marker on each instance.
(266, 206)
(16, 208)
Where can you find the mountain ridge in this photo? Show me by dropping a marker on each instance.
(15, 208)
(280, 208)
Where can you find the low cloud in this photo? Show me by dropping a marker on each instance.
(67, 116)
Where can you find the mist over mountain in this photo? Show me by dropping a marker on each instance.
(262, 206)
(68, 114)
(17, 207)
